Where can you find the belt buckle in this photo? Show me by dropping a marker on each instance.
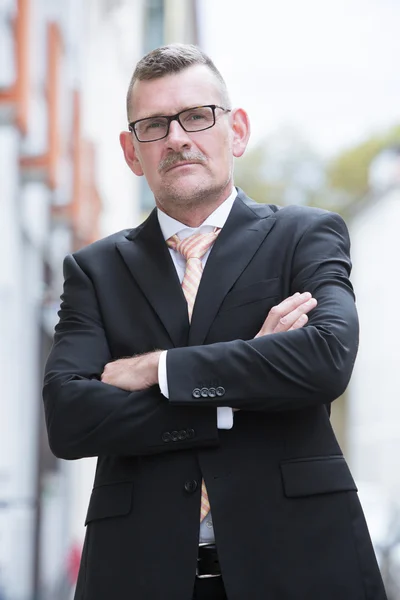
(206, 575)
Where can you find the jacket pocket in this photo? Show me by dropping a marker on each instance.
(111, 500)
(316, 475)
(267, 288)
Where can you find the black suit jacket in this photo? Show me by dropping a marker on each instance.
(286, 515)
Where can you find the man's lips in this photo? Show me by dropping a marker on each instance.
(182, 164)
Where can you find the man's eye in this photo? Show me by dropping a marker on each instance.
(154, 125)
(195, 117)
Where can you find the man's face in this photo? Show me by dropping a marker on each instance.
(183, 168)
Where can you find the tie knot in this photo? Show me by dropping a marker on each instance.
(194, 246)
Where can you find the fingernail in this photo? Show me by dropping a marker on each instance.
(306, 295)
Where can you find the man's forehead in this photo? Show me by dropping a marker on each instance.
(193, 86)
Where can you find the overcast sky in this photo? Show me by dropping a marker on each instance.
(328, 67)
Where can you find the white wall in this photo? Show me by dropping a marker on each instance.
(19, 309)
(374, 396)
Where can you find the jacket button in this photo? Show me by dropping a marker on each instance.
(166, 436)
(190, 433)
(212, 393)
(220, 391)
(174, 436)
(190, 486)
(196, 393)
(204, 392)
(182, 434)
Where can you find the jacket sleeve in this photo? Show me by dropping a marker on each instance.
(86, 417)
(288, 370)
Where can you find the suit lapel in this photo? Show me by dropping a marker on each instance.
(147, 258)
(246, 228)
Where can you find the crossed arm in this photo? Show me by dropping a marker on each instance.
(140, 372)
(85, 417)
(286, 366)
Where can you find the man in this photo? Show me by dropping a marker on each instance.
(183, 359)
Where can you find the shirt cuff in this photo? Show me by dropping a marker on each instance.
(224, 417)
(162, 374)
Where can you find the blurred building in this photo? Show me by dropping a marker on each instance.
(49, 192)
(64, 71)
(374, 407)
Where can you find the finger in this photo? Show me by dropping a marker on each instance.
(288, 320)
(281, 310)
(107, 373)
(301, 321)
(105, 376)
(293, 302)
(276, 313)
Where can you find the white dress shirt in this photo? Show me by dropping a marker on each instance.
(170, 227)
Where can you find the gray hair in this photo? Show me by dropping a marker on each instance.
(170, 59)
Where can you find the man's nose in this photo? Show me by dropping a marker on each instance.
(177, 137)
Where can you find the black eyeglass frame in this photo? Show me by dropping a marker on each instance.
(131, 126)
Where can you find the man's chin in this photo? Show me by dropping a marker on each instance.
(187, 187)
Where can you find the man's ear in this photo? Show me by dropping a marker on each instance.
(241, 131)
(128, 148)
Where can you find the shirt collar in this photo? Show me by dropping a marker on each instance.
(170, 226)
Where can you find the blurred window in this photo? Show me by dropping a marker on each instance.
(153, 25)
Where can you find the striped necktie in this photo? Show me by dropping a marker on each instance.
(193, 248)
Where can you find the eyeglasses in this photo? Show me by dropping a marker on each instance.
(191, 120)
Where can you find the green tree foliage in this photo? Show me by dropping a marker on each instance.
(349, 170)
(284, 169)
(281, 169)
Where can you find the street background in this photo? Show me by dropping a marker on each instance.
(321, 84)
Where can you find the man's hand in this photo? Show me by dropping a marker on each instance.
(133, 374)
(289, 314)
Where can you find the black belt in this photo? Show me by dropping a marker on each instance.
(207, 562)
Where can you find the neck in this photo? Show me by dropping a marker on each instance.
(193, 215)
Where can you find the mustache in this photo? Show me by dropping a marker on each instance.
(178, 157)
